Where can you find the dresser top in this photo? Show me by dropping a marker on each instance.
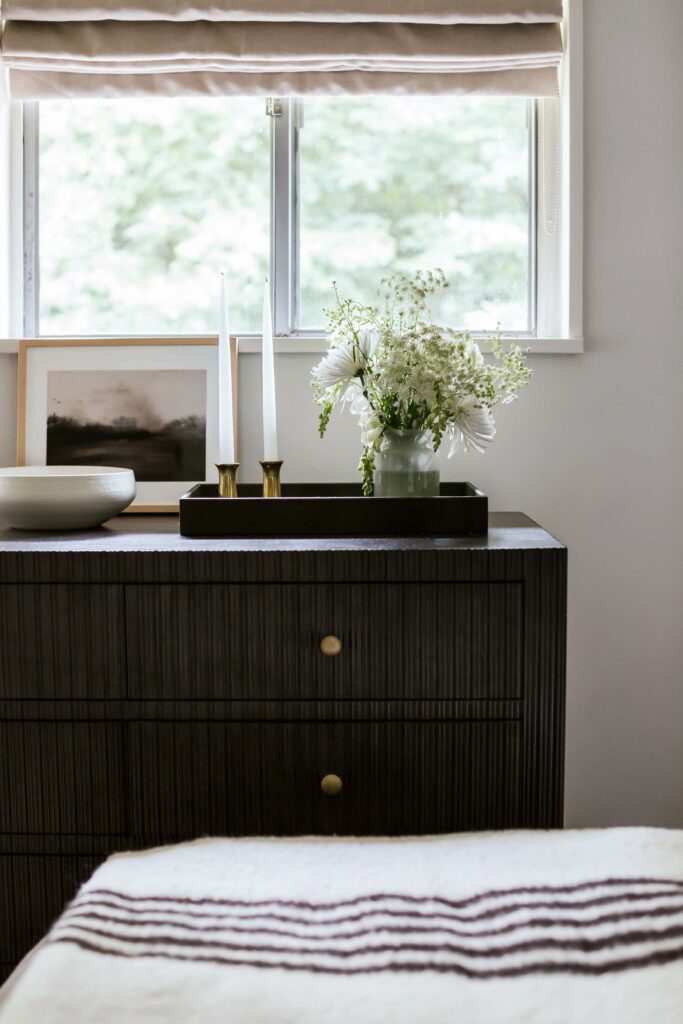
(149, 533)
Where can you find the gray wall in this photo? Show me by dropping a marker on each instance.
(594, 449)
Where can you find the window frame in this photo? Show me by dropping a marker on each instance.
(286, 116)
(288, 120)
(556, 283)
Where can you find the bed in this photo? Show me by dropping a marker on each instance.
(547, 927)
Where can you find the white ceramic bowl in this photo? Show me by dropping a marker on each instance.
(63, 497)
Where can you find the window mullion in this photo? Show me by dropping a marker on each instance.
(31, 324)
(283, 213)
(11, 219)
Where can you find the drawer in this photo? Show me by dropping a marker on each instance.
(192, 779)
(33, 893)
(397, 641)
(62, 777)
(61, 640)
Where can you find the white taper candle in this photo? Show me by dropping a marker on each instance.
(268, 372)
(226, 423)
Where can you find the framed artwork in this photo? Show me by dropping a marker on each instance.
(150, 405)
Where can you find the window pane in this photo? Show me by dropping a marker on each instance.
(141, 204)
(399, 184)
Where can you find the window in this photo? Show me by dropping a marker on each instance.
(137, 205)
(411, 182)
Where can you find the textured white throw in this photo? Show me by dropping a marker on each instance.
(499, 928)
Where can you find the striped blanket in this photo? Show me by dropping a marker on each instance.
(506, 927)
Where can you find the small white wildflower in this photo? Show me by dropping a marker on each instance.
(368, 420)
(370, 430)
(473, 353)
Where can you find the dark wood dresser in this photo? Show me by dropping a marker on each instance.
(155, 688)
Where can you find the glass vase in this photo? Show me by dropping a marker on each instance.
(407, 466)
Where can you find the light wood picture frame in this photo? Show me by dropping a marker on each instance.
(148, 404)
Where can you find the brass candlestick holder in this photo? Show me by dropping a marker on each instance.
(227, 479)
(271, 479)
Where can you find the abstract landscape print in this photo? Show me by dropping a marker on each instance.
(150, 421)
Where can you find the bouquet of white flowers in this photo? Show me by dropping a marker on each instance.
(397, 370)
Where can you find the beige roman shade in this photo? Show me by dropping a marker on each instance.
(281, 47)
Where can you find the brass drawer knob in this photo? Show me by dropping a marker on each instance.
(330, 646)
(331, 785)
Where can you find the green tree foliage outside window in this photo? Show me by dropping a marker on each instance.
(142, 202)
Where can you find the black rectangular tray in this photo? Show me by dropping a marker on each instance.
(331, 510)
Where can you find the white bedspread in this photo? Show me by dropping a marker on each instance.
(508, 927)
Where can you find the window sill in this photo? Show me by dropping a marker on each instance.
(251, 345)
(314, 346)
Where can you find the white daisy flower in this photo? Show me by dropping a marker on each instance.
(472, 428)
(369, 340)
(359, 403)
(341, 364)
(473, 353)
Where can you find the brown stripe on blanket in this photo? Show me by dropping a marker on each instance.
(410, 933)
(655, 959)
(156, 918)
(580, 945)
(374, 897)
(506, 909)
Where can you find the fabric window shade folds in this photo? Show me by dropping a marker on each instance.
(281, 47)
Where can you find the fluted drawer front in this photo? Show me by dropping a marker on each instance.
(412, 640)
(190, 779)
(61, 640)
(62, 777)
(33, 893)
